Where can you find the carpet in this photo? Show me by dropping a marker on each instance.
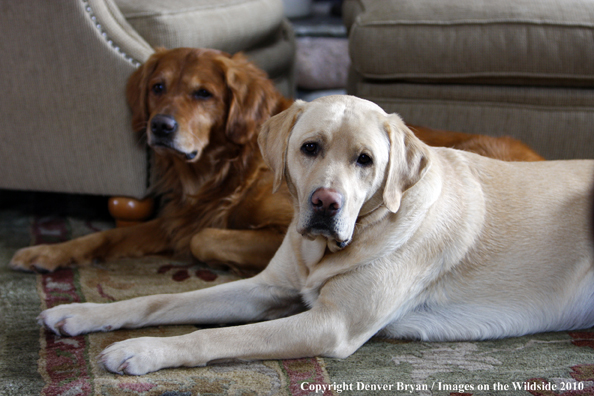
(34, 361)
(322, 63)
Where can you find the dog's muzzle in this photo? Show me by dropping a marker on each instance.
(326, 202)
(324, 219)
(163, 128)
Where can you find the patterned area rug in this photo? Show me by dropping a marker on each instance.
(35, 361)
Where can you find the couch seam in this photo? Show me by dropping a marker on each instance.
(486, 104)
(188, 10)
(474, 22)
(105, 35)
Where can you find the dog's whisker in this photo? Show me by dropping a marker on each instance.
(141, 139)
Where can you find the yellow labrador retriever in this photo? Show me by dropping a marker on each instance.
(389, 236)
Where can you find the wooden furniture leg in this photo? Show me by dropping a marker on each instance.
(129, 211)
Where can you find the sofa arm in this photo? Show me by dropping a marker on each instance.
(120, 35)
(66, 121)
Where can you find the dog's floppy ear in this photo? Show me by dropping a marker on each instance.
(274, 137)
(408, 163)
(253, 97)
(137, 91)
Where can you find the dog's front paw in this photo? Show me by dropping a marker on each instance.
(73, 319)
(40, 258)
(137, 356)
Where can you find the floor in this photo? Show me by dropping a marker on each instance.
(322, 51)
(325, 20)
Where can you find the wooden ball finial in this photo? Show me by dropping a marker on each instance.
(129, 211)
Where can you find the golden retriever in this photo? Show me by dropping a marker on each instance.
(201, 110)
(390, 236)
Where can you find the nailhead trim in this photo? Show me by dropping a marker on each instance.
(106, 37)
(131, 60)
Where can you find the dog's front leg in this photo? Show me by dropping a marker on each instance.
(305, 334)
(346, 314)
(135, 241)
(235, 302)
(246, 251)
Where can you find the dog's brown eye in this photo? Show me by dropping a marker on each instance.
(201, 94)
(364, 160)
(310, 149)
(158, 88)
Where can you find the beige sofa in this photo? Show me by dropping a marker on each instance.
(503, 67)
(65, 121)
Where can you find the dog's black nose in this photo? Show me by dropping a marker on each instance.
(163, 125)
(326, 201)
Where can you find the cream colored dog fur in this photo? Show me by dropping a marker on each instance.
(417, 242)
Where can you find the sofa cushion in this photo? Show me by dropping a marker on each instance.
(554, 121)
(228, 25)
(481, 41)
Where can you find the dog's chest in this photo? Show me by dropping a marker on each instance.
(310, 296)
(310, 253)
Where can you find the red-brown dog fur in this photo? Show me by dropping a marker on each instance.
(206, 193)
(216, 190)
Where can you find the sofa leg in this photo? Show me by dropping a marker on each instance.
(129, 211)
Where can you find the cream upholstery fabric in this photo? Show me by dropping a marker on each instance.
(65, 65)
(64, 102)
(480, 39)
(556, 122)
(189, 23)
(523, 68)
(243, 25)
